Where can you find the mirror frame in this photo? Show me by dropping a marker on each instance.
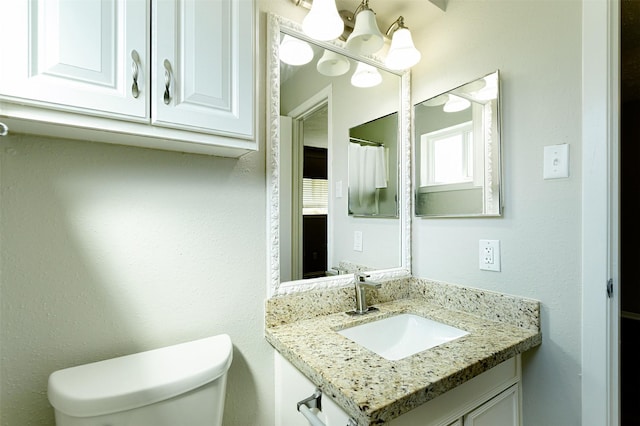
(276, 25)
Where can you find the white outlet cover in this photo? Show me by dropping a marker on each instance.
(489, 255)
(556, 161)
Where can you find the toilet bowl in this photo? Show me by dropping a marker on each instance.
(179, 385)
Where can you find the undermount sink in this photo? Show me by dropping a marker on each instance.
(401, 335)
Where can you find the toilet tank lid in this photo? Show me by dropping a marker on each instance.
(140, 379)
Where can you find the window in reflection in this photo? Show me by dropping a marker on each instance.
(448, 154)
(315, 198)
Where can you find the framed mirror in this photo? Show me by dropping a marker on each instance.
(458, 151)
(313, 109)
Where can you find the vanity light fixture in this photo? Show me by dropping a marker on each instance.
(366, 76)
(366, 37)
(456, 103)
(332, 64)
(323, 22)
(402, 53)
(294, 51)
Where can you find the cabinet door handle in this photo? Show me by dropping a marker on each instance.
(135, 69)
(167, 81)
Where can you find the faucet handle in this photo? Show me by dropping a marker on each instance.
(362, 276)
(361, 281)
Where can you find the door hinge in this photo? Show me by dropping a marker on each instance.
(610, 288)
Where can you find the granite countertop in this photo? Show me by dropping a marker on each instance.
(374, 390)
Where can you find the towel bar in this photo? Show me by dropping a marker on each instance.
(305, 406)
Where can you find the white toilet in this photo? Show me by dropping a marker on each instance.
(180, 385)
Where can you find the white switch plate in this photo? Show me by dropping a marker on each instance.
(357, 240)
(339, 189)
(556, 161)
(489, 251)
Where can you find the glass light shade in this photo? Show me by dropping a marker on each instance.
(366, 76)
(402, 53)
(366, 37)
(456, 103)
(490, 90)
(437, 101)
(333, 64)
(323, 22)
(294, 51)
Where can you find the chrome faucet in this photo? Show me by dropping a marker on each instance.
(361, 297)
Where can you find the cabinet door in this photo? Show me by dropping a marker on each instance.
(76, 55)
(203, 72)
(292, 386)
(502, 410)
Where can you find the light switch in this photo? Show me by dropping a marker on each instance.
(357, 240)
(556, 161)
(339, 189)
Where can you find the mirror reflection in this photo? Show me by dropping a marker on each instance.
(328, 102)
(458, 161)
(373, 180)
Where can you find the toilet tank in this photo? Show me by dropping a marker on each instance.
(179, 385)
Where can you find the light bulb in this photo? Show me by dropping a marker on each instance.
(332, 64)
(402, 53)
(323, 22)
(294, 51)
(366, 38)
(366, 76)
(456, 103)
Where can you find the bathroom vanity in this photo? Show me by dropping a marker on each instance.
(471, 380)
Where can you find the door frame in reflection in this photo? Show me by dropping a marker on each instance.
(298, 115)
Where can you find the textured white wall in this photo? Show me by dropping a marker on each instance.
(109, 250)
(536, 45)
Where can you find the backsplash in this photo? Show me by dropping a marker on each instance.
(518, 311)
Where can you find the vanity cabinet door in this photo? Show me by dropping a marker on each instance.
(502, 410)
(76, 55)
(202, 74)
(292, 386)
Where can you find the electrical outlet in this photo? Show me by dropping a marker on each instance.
(487, 255)
(489, 251)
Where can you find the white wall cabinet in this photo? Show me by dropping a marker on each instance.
(76, 56)
(491, 399)
(168, 74)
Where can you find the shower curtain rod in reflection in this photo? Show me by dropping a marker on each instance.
(365, 142)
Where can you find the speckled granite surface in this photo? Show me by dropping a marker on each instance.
(373, 390)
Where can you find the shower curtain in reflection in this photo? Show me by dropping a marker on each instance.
(367, 174)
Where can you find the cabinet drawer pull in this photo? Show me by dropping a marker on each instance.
(167, 81)
(135, 69)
